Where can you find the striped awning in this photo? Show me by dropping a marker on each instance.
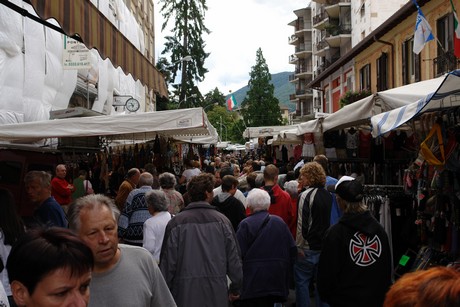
(96, 31)
(446, 96)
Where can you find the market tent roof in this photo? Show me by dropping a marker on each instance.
(96, 31)
(255, 132)
(137, 126)
(288, 136)
(213, 138)
(444, 95)
(310, 126)
(361, 111)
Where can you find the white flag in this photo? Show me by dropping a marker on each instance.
(422, 33)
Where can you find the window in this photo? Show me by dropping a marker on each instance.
(446, 60)
(410, 63)
(382, 72)
(349, 83)
(363, 9)
(365, 77)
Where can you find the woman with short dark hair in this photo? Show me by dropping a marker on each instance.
(50, 267)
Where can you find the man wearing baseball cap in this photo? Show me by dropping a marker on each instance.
(355, 262)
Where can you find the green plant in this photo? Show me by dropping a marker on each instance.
(351, 96)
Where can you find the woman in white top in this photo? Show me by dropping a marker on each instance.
(154, 227)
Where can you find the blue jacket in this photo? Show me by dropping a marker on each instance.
(50, 214)
(268, 255)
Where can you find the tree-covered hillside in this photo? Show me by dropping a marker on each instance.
(283, 88)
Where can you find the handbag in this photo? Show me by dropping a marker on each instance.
(426, 152)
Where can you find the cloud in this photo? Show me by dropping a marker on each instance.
(238, 29)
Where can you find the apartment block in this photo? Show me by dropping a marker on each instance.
(331, 28)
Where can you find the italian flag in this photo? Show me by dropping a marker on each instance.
(456, 33)
(231, 103)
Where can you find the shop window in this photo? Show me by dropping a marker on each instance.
(410, 63)
(365, 77)
(382, 72)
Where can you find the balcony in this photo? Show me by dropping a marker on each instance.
(293, 59)
(337, 35)
(321, 48)
(292, 39)
(320, 20)
(293, 78)
(304, 92)
(445, 63)
(303, 50)
(293, 98)
(304, 72)
(336, 8)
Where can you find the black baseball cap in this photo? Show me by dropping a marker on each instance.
(348, 189)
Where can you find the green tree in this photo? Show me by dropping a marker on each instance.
(224, 122)
(213, 98)
(188, 28)
(260, 107)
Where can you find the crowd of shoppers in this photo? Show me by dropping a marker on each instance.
(224, 232)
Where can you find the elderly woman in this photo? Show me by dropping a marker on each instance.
(154, 227)
(174, 198)
(268, 252)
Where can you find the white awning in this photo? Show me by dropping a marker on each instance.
(255, 132)
(139, 126)
(311, 126)
(439, 93)
(361, 111)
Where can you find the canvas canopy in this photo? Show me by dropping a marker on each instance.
(256, 132)
(138, 126)
(311, 126)
(360, 112)
(442, 93)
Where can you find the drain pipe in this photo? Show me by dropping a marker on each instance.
(392, 58)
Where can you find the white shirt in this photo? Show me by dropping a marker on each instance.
(189, 173)
(154, 232)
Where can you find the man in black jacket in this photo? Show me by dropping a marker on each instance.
(227, 204)
(355, 262)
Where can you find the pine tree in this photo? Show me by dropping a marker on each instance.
(260, 107)
(188, 17)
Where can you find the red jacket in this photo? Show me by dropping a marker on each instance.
(281, 206)
(60, 191)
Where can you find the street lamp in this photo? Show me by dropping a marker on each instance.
(185, 99)
(226, 135)
(186, 58)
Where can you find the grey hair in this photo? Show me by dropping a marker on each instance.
(89, 202)
(258, 200)
(156, 199)
(146, 179)
(291, 187)
(167, 180)
(43, 177)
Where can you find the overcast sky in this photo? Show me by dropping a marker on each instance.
(238, 29)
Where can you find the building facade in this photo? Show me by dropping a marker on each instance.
(333, 27)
